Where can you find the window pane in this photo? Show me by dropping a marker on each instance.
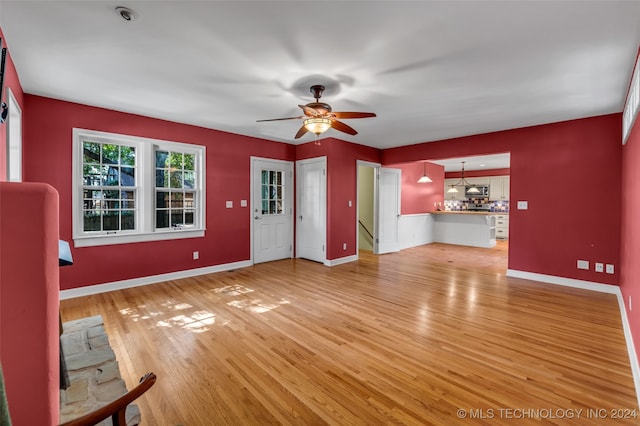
(189, 200)
(110, 220)
(188, 217)
(176, 179)
(176, 217)
(189, 180)
(265, 177)
(127, 176)
(127, 220)
(189, 162)
(91, 221)
(162, 200)
(111, 194)
(91, 152)
(162, 178)
(175, 161)
(110, 154)
(162, 218)
(112, 175)
(127, 156)
(111, 204)
(91, 175)
(161, 159)
(176, 200)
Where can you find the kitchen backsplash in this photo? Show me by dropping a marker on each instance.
(462, 205)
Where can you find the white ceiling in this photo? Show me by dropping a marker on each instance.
(431, 70)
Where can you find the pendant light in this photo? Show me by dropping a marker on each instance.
(424, 178)
(463, 181)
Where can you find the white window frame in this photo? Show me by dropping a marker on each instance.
(14, 139)
(145, 189)
(632, 104)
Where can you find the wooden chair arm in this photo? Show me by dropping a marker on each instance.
(117, 408)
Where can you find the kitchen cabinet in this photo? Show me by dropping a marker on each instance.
(499, 187)
(453, 195)
(502, 226)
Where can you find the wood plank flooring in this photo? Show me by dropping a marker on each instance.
(404, 338)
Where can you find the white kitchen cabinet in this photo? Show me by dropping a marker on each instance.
(453, 195)
(478, 180)
(502, 226)
(499, 187)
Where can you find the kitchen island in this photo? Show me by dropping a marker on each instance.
(476, 229)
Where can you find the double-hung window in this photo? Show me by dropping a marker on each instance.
(130, 189)
(632, 104)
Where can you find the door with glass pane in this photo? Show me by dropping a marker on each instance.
(272, 209)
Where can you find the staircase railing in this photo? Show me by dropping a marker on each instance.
(362, 226)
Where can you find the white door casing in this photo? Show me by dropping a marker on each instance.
(271, 209)
(311, 214)
(388, 210)
(14, 139)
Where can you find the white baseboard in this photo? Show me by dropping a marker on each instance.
(153, 279)
(603, 288)
(341, 260)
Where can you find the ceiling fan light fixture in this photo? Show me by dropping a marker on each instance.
(317, 125)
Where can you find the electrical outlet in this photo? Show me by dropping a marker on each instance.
(583, 264)
(609, 268)
(196, 255)
(344, 246)
(599, 267)
(630, 306)
(523, 205)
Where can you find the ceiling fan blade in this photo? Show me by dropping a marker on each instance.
(301, 132)
(312, 112)
(279, 119)
(340, 126)
(353, 114)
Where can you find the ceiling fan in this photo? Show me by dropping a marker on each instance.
(318, 117)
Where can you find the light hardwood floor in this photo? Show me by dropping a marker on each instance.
(404, 338)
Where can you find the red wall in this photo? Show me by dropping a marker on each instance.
(478, 173)
(342, 172)
(10, 81)
(29, 302)
(569, 172)
(417, 197)
(47, 153)
(630, 230)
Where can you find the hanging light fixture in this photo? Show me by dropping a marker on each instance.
(425, 178)
(463, 181)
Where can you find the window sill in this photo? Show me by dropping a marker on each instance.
(103, 240)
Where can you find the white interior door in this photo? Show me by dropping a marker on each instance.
(388, 209)
(272, 209)
(311, 214)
